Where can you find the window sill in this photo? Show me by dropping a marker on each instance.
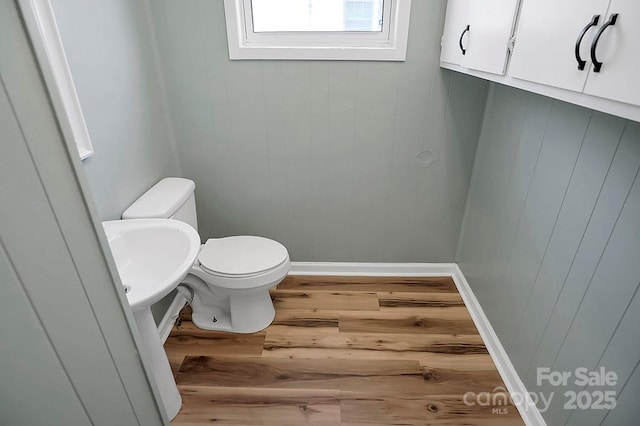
(317, 53)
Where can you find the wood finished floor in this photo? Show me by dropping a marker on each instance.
(341, 351)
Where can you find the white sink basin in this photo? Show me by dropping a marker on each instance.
(152, 256)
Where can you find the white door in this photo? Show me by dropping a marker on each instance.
(546, 38)
(455, 34)
(491, 26)
(618, 50)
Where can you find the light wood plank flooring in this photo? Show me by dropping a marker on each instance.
(342, 351)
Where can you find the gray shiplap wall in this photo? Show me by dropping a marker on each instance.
(551, 243)
(340, 161)
(113, 58)
(37, 360)
(68, 350)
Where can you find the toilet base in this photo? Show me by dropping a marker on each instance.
(213, 318)
(235, 305)
(247, 313)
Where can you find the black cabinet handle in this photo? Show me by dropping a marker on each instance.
(464, 51)
(593, 23)
(597, 65)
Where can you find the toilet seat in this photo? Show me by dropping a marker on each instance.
(241, 256)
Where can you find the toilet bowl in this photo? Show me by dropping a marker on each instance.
(231, 283)
(228, 285)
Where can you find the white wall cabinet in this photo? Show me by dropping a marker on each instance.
(618, 51)
(455, 32)
(547, 33)
(476, 34)
(579, 51)
(557, 43)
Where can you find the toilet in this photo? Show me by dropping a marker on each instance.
(228, 285)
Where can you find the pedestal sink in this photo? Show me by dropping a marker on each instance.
(153, 256)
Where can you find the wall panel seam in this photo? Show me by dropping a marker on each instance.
(555, 223)
(622, 388)
(575, 255)
(46, 333)
(596, 269)
(474, 172)
(526, 199)
(620, 320)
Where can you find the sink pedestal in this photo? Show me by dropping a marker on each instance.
(160, 368)
(153, 256)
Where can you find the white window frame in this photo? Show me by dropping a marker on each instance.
(390, 44)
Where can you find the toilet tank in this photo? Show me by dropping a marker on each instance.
(171, 198)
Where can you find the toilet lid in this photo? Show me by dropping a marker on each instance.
(241, 255)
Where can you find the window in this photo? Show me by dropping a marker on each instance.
(363, 15)
(317, 15)
(318, 29)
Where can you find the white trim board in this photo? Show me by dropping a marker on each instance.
(47, 43)
(515, 386)
(373, 269)
(507, 371)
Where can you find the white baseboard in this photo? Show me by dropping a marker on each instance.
(515, 386)
(372, 269)
(169, 318)
(527, 409)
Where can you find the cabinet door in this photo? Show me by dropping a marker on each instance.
(454, 26)
(491, 26)
(618, 50)
(546, 37)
